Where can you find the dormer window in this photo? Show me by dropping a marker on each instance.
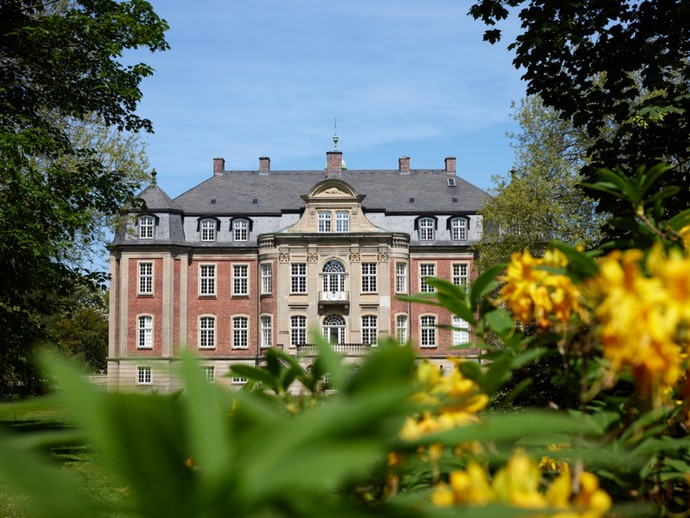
(342, 221)
(324, 221)
(208, 230)
(426, 229)
(240, 230)
(458, 229)
(146, 224)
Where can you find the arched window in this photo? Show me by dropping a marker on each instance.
(458, 229)
(333, 276)
(334, 329)
(461, 331)
(240, 230)
(426, 229)
(208, 229)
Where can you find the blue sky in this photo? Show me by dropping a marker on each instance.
(245, 79)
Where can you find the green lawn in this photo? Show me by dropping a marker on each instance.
(48, 424)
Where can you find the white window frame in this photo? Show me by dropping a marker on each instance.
(342, 221)
(144, 332)
(298, 330)
(146, 225)
(240, 279)
(144, 376)
(209, 373)
(240, 332)
(370, 329)
(427, 332)
(266, 278)
(461, 331)
(426, 229)
(426, 270)
(207, 332)
(238, 380)
(145, 283)
(461, 274)
(324, 224)
(266, 331)
(207, 280)
(240, 230)
(298, 278)
(401, 332)
(369, 281)
(458, 229)
(208, 229)
(400, 277)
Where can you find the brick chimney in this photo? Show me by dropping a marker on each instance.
(218, 166)
(264, 164)
(450, 164)
(404, 164)
(334, 162)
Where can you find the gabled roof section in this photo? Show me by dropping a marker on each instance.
(157, 200)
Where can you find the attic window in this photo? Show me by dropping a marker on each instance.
(451, 182)
(255, 200)
(213, 201)
(455, 200)
(411, 200)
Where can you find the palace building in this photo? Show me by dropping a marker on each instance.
(249, 260)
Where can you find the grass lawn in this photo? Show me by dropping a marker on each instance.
(44, 417)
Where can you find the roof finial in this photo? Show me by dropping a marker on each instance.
(153, 176)
(335, 135)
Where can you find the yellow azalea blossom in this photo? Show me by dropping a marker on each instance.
(642, 315)
(534, 294)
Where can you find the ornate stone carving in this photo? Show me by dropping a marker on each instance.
(383, 258)
(354, 211)
(354, 258)
(333, 191)
(284, 257)
(312, 257)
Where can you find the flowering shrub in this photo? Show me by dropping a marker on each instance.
(606, 332)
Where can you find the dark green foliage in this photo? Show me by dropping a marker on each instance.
(59, 61)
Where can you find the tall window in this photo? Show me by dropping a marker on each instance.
(426, 270)
(426, 229)
(458, 229)
(145, 278)
(146, 224)
(207, 332)
(334, 329)
(428, 331)
(266, 331)
(298, 281)
(208, 230)
(266, 278)
(145, 332)
(298, 330)
(240, 229)
(210, 373)
(324, 221)
(207, 279)
(342, 221)
(460, 274)
(461, 331)
(333, 276)
(370, 329)
(240, 332)
(369, 277)
(401, 277)
(240, 279)
(401, 328)
(143, 375)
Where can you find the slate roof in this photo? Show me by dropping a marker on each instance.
(157, 200)
(234, 192)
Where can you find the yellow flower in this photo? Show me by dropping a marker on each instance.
(535, 294)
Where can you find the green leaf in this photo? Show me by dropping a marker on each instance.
(485, 284)
(581, 264)
(499, 321)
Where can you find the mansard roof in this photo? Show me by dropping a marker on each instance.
(392, 191)
(157, 200)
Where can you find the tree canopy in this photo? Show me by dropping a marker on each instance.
(604, 64)
(60, 65)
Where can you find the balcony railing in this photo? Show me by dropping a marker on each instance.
(334, 296)
(339, 348)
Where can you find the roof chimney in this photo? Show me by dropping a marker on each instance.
(218, 166)
(334, 162)
(404, 164)
(264, 164)
(450, 164)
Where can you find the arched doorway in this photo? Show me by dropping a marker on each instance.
(334, 329)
